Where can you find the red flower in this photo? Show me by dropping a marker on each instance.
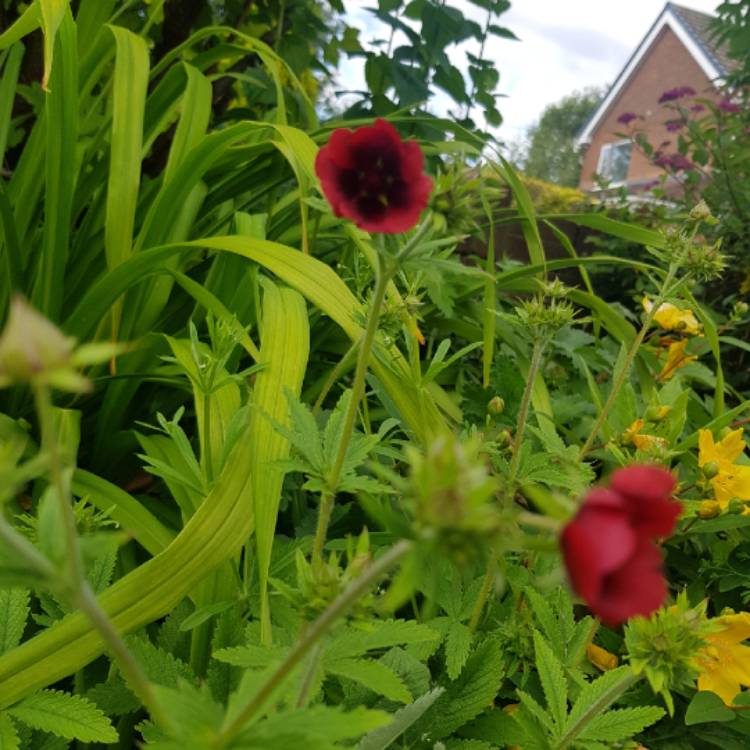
(374, 178)
(609, 550)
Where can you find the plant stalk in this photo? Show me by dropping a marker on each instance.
(600, 704)
(384, 273)
(628, 364)
(523, 412)
(312, 635)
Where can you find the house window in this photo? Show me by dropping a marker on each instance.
(614, 160)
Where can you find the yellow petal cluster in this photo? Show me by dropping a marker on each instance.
(634, 436)
(732, 479)
(672, 318)
(724, 664)
(676, 358)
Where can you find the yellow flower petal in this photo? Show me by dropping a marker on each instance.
(735, 628)
(717, 682)
(731, 481)
(672, 318)
(676, 358)
(732, 446)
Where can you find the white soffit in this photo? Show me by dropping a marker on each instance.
(667, 18)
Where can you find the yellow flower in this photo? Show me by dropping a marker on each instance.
(676, 358)
(633, 436)
(600, 657)
(731, 480)
(724, 664)
(671, 318)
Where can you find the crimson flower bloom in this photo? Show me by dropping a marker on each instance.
(609, 550)
(371, 176)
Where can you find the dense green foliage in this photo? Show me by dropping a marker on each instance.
(552, 152)
(267, 481)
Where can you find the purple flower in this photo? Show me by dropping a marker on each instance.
(725, 105)
(671, 95)
(697, 108)
(673, 125)
(627, 117)
(675, 162)
(650, 184)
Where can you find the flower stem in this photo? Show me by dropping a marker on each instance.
(628, 364)
(603, 702)
(312, 635)
(383, 275)
(73, 581)
(523, 412)
(484, 592)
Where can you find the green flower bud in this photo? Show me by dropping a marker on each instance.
(504, 439)
(710, 469)
(708, 509)
(657, 413)
(496, 405)
(736, 507)
(31, 346)
(701, 211)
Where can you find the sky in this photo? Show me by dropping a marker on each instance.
(566, 45)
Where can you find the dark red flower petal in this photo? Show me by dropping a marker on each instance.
(371, 176)
(647, 491)
(595, 543)
(636, 588)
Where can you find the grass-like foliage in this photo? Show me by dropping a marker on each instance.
(270, 481)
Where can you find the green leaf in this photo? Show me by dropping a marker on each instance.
(457, 648)
(158, 665)
(707, 707)
(594, 691)
(69, 716)
(466, 697)
(403, 719)
(380, 635)
(620, 724)
(9, 739)
(52, 13)
(373, 675)
(284, 348)
(14, 610)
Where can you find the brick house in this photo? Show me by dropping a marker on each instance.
(676, 52)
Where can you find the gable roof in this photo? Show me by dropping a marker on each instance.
(693, 30)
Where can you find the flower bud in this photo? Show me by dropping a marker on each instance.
(708, 509)
(496, 405)
(504, 439)
(710, 469)
(600, 657)
(657, 413)
(736, 507)
(741, 308)
(701, 211)
(31, 345)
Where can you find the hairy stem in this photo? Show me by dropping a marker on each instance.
(383, 276)
(312, 635)
(484, 592)
(628, 364)
(73, 580)
(600, 704)
(523, 411)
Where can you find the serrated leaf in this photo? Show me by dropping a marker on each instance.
(113, 697)
(530, 706)
(457, 648)
(69, 716)
(14, 610)
(383, 737)
(593, 691)
(9, 739)
(373, 675)
(553, 680)
(160, 666)
(414, 673)
(621, 723)
(466, 697)
(380, 635)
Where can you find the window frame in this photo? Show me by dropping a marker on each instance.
(614, 144)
